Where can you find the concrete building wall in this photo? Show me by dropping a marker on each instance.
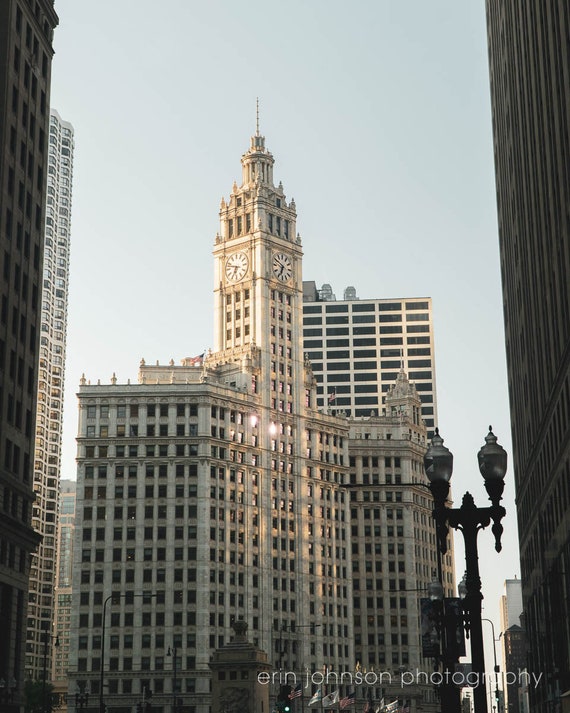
(529, 60)
(26, 35)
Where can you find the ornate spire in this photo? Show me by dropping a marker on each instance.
(257, 161)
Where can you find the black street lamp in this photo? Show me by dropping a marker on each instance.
(101, 673)
(496, 669)
(110, 598)
(173, 652)
(81, 699)
(438, 463)
(442, 638)
(47, 637)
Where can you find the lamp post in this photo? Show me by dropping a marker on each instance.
(448, 639)
(47, 637)
(101, 672)
(438, 463)
(114, 595)
(172, 652)
(81, 699)
(496, 668)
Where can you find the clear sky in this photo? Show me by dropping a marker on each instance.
(378, 115)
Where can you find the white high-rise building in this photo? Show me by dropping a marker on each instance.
(47, 457)
(358, 346)
(511, 604)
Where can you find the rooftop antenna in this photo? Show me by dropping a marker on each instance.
(257, 116)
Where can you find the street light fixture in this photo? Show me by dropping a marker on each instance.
(496, 669)
(173, 652)
(444, 641)
(47, 637)
(81, 699)
(438, 463)
(114, 595)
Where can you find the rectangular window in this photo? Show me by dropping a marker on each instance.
(421, 317)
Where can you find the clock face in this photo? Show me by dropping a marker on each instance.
(236, 266)
(282, 267)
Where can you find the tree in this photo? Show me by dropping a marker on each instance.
(34, 697)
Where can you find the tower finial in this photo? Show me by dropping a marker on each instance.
(257, 116)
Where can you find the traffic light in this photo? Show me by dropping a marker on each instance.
(139, 708)
(283, 703)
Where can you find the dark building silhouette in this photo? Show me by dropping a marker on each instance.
(515, 661)
(26, 32)
(529, 53)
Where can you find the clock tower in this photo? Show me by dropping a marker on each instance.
(258, 291)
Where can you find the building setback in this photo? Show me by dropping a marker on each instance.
(216, 490)
(357, 347)
(49, 419)
(26, 33)
(529, 58)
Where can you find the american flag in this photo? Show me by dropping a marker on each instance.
(197, 359)
(297, 692)
(332, 396)
(348, 701)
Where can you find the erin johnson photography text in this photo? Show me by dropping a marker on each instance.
(469, 679)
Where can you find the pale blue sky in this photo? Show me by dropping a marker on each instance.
(378, 115)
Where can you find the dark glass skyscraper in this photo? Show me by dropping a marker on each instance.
(26, 32)
(529, 51)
